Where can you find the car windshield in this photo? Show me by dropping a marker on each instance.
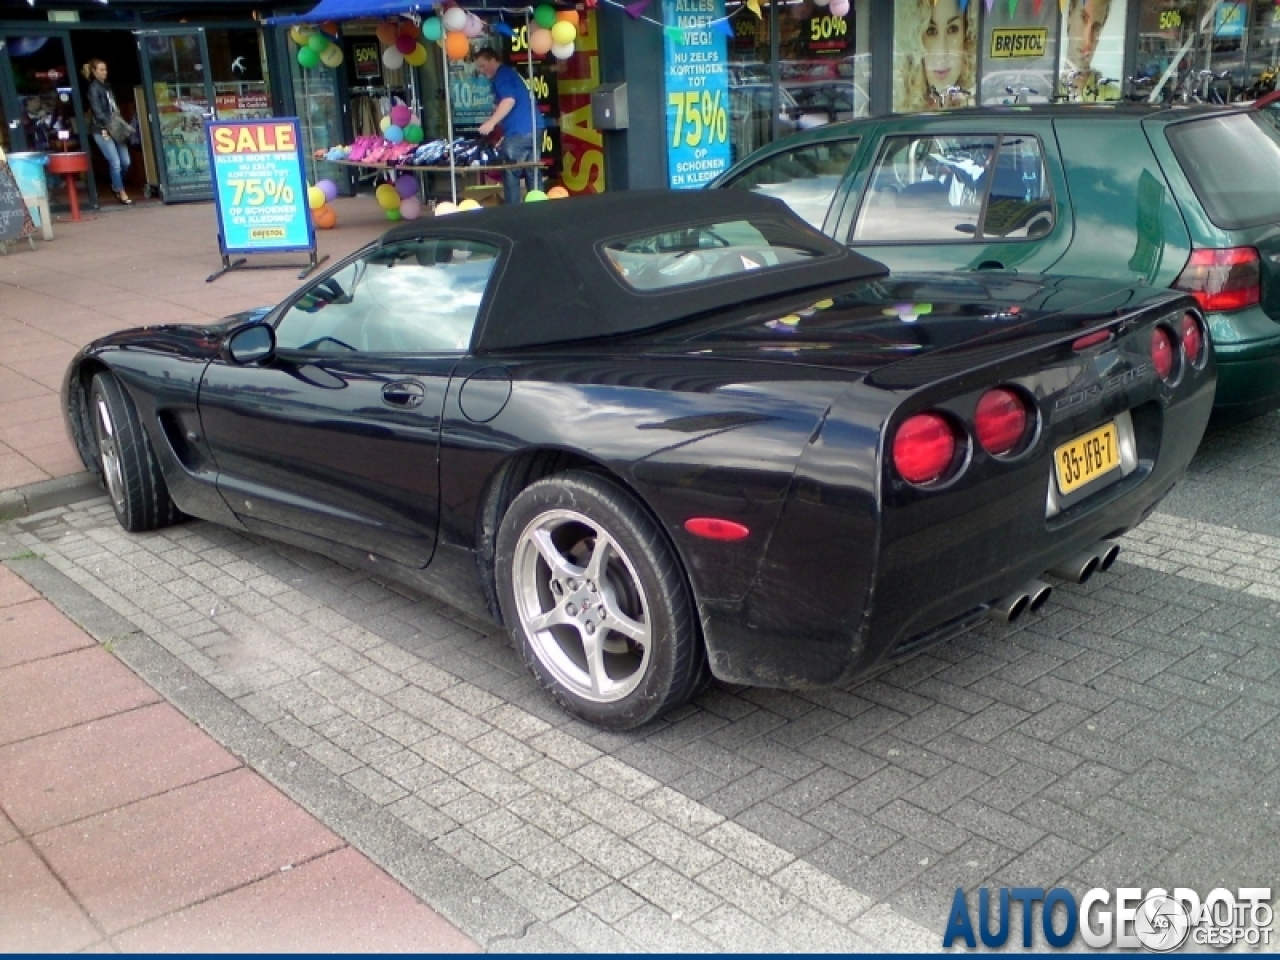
(1233, 163)
(710, 251)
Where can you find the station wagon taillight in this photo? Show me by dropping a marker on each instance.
(924, 448)
(1223, 280)
(1163, 352)
(1001, 421)
(1192, 338)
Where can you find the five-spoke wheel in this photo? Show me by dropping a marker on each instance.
(129, 468)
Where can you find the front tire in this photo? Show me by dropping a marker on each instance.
(128, 464)
(597, 602)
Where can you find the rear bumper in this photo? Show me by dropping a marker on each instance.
(1247, 349)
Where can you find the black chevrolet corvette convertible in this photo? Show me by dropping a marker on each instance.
(666, 436)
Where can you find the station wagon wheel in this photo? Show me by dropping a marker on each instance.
(134, 482)
(596, 601)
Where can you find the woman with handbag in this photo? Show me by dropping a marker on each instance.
(111, 132)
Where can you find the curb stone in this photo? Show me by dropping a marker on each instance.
(47, 494)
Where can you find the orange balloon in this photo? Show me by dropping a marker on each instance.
(568, 16)
(386, 33)
(456, 45)
(326, 218)
(329, 28)
(557, 193)
(540, 41)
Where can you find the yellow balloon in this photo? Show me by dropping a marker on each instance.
(469, 204)
(445, 207)
(301, 33)
(564, 33)
(417, 58)
(315, 198)
(331, 56)
(388, 199)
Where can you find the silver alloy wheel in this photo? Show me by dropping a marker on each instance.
(582, 605)
(109, 454)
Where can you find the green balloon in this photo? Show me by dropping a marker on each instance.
(318, 42)
(544, 15)
(413, 133)
(432, 29)
(534, 196)
(308, 58)
(393, 214)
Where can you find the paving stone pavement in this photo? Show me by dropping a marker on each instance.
(1129, 735)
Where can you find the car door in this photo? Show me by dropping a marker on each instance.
(944, 197)
(336, 437)
(806, 176)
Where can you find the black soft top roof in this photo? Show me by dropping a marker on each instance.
(556, 285)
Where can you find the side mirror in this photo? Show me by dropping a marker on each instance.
(252, 343)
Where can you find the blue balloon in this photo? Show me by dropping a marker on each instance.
(394, 134)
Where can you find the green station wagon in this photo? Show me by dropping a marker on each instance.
(1184, 197)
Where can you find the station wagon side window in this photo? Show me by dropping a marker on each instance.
(414, 296)
(931, 189)
(804, 178)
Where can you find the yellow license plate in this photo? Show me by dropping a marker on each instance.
(1087, 458)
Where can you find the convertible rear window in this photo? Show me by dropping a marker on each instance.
(709, 251)
(1233, 163)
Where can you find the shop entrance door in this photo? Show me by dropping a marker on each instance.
(180, 101)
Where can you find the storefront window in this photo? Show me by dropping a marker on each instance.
(1092, 64)
(1264, 50)
(1166, 35)
(935, 54)
(1019, 53)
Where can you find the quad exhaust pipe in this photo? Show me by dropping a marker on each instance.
(1083, 565)
(1029, 598)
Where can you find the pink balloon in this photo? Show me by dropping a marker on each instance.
(839, 8)
(474, 26)
(410, 208)
(405, 44)
(400, 115)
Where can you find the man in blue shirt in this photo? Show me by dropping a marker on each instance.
(515, 110)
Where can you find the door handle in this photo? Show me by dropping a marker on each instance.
(404, 393)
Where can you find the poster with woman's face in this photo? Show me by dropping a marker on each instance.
(935, 54)
(1092, 50)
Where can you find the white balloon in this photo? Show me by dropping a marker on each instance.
(562, 51)
(474, 26)
(839, 8)
(392, 58)
(455, 18)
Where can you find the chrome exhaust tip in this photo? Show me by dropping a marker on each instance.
(1010, 607)
(1079, 568)
(1038, 593)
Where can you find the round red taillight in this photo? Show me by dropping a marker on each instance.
(1001, 421)
(1192, 337)
(924, 448)
(1162, 352)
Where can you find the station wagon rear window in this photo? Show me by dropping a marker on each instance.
(710, 251)
(1233, 163)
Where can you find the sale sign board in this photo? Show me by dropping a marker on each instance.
(259, 191)
(697, 83)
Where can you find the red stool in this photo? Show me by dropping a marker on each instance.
(68, 165)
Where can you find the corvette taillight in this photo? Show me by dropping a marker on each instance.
(1163, 352)
(1001, 421)
(925, 447)
(1223, 280)
(1192, 338)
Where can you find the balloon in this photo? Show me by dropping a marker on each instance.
(410, 208)
(414, 133)
(394, 134)
(328, 188)
(400, 115)
(330, 28)
(405, 44)
(387, 197)
(444, 207)
(564, 33)
(417, 56)
(386, 33)
(455, 18)
(408, 28)
(326, 218)
(406, 185)
(301, 33)
(331, 56)
(308, 58)
(456, 45)
(562, 51)
(432, 29)
(568, 16)
(471, 203)
(393, 214)
(384, 123)
(392, 58)
(533, 196)
(557, 193)
(541, 42)
(318, 42)
(474, 26)
(315, 198)
(544, 15)
(839, 8)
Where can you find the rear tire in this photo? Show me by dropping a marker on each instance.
(597, 602)
(134, 482)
